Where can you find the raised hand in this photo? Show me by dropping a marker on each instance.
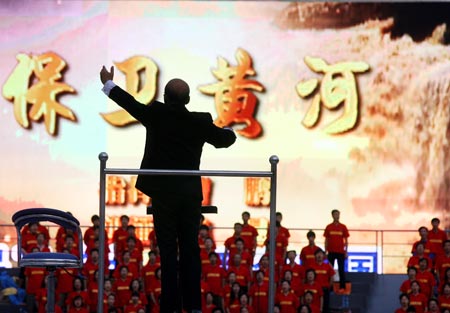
(105, 75)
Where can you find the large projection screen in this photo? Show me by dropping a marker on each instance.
(353, 98)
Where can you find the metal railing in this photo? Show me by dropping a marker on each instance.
(272, 174)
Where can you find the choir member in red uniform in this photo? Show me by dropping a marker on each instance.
(287, 300)
(336, 244)
(307, 256)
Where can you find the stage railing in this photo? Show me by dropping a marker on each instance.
(272, 174)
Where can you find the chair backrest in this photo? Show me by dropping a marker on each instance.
(34, 215)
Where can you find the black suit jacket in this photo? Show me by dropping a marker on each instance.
(174, 140)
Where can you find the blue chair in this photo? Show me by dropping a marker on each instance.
(49, 260)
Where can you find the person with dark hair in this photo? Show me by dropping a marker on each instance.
(259, 293)
(426, 278)
(135, 286)
(324, 276)
(307, 256)
(77, 290)
(281, 244)
(298, 271)
(174, 140)
(155, 292)
(311, 286)
(416, 298)
(336, 245)
(423, 233)
(208, 305)
(419, 255)
(433, 306)
(444, 297)
(443, 262)
(233, 304)
(230, 244)
(148, 273)
(437, 237)
(89, 234)
(78, 306)
(404, 303)
(122, 286)
(249, 234)
(405, 287)
(203, 234)
(120, 236)
(287, 300)
(304, 308)
(215, 276)
(135, 305)
(308, 299)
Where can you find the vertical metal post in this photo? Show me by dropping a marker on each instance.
(103, 157)
(51, 290)
(273, 208)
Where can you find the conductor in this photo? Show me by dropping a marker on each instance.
(174, 140)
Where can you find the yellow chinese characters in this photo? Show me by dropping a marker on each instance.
(141, 74)
(235, 103)
(120, 192)
(337, 86)
(42, 95)
(257, 191)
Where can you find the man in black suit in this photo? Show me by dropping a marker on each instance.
(174, 140)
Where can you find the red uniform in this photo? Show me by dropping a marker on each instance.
(29, 241)
(281, 243)
(35, 277)
(246, 259)
(243, 276)
(214, 276)
(414, 261)
(120, 236)
(426, 246)
(89, 269)
(93, 295)
(122, 291)
(148, 275)
(406, 286)
(444, 302)
(41, 229)
(298, 273)
(133, 271)
(335, 233)
(307, 255)
(316, 290)
(418, 301)
(436, 240)
(324, 273)
(260, 297)
(426, 281)
(442, 264)
(230, 245)
(288, 302)
(249, 234)
(73, 294)
(133, 308)
(65, 279)
(156, 291)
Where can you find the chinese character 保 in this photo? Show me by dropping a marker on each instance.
(337, 86)
(235, 103)
(38, 100)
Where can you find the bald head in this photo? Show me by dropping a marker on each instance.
(176, 92)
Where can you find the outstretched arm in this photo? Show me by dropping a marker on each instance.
(120, 96)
